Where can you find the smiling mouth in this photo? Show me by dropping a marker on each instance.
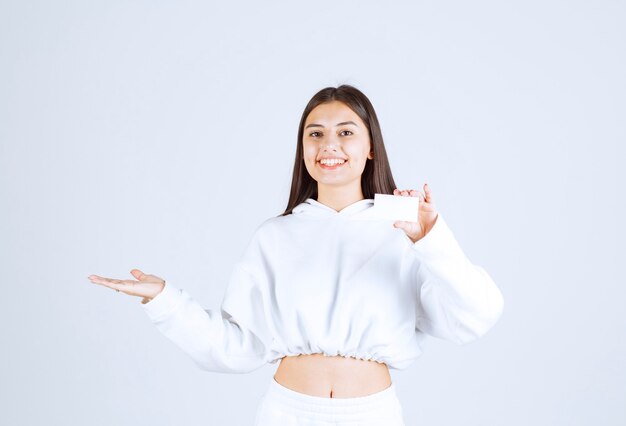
(332, 166)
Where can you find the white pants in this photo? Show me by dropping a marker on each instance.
(281, 406)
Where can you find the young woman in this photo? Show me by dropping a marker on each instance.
(336, 298)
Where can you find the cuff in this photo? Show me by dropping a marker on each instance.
(164, 303)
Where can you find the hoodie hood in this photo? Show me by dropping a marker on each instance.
(313, 208)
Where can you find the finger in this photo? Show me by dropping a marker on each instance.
(98, 277)
(405, 193)
(417, 193)
(111, 282)
(428, 193)
(116, 281)
(104, 283)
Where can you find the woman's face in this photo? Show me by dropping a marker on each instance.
(333, 130)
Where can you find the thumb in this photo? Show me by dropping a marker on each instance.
(400, 224)
(137, 274)
(149, 278)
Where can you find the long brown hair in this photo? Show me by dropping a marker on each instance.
(376, 177)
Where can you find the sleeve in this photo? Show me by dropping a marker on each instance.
(458, 301)
(224, 341)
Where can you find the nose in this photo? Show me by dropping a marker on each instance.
(329, 147)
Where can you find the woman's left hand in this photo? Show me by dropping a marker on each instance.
(426, 217)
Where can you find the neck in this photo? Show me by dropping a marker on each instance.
(339, 197)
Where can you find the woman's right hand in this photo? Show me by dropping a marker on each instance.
(147, 286)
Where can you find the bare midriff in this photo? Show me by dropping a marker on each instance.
(332, 376)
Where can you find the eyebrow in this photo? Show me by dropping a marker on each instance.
(338, 124)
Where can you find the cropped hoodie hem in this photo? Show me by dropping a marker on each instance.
(332, 282)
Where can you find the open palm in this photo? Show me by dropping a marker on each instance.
(146, 286)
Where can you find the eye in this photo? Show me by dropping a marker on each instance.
(349, 131)
(313, 133)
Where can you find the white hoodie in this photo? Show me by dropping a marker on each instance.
(322, 281)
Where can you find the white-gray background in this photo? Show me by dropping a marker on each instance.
(157, 135)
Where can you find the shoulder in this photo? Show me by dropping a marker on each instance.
(274, 224)
(266, 237)
(268, 230)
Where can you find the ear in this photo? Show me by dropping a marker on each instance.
(371, 155)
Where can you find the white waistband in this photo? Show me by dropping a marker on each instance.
(297, 401)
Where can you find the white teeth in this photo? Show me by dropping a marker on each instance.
(332, 162)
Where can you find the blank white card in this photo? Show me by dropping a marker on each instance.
(392, 207)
